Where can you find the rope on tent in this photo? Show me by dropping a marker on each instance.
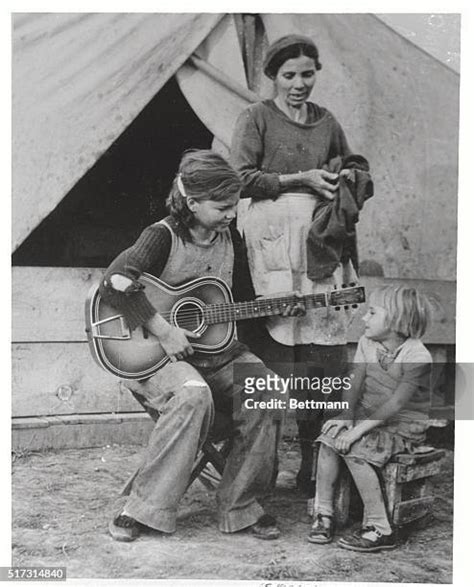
(224, 79)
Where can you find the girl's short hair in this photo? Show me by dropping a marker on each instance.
(408, 310)
(204, 175)
(289, 47)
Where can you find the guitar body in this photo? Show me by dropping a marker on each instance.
(137, 354)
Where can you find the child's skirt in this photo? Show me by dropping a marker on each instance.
(380, 444)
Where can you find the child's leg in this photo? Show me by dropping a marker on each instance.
(329, 465)
(368, 484)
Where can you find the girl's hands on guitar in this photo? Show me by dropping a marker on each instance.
(296, 309)
(173, 339)
(175, 343)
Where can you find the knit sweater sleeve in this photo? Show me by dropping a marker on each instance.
(246, 156)
(339, 145)
(120, 286)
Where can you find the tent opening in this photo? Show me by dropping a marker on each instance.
(123, 192)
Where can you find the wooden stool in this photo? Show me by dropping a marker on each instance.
(215, 453)
(211, 459)
(406, 483)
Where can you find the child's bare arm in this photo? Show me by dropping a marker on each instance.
(352, 395)
(346, 418)
(409, 384)
(173, 339)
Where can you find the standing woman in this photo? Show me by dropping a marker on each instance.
(279, 148)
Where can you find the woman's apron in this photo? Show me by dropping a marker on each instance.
(275, 233)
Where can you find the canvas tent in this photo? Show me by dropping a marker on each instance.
(81, 80)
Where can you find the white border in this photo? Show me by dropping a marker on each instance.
(465, 348)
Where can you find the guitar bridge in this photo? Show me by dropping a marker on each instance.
(125, 330)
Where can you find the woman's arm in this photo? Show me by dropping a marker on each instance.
(247, 153)
(339, 146)
(321, 181)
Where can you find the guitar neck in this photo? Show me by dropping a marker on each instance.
(259, 308)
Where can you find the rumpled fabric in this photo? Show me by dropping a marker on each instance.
(332, 236)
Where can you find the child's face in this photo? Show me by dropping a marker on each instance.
(212, 214)
(376, 323)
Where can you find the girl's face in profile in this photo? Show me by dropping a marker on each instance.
(376, 322)
(214, 214)
(295, 80)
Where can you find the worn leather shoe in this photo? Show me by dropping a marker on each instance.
(368, 539)
(265, 528)
(123, 528)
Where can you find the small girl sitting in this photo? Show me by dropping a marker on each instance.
(389, 402)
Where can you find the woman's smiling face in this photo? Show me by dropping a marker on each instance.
(295, 80)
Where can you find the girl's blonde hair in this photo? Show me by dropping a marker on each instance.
(409, 311)
(202, 175)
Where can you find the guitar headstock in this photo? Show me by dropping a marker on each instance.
(348, 295)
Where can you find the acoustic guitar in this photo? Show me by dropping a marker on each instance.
(203, 306)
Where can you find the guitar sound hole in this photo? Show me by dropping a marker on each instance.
(188, 316)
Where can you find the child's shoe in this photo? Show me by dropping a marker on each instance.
(124, 528)
(265, 528)
(322, 530)
(368, 539)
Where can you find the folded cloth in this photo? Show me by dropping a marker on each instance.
(332, 236)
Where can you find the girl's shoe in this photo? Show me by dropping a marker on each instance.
(368, 539)
(124, 528)
(322, 530)
(265, 528)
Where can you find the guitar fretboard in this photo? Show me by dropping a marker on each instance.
(259, 308)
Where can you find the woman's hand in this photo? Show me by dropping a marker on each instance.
(321, 181)
(345, 440)
(333, 427)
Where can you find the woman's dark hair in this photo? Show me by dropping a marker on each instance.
(274, 62)
(204, 175)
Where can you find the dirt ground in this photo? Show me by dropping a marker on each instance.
(62, 502)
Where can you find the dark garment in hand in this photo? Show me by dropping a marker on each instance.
(332, 236)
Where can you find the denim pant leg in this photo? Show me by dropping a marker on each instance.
(250, 465)
(184, 403)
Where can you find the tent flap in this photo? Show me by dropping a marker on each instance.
(78, 82)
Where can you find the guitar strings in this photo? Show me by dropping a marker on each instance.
(228, 310)
(259, 304)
